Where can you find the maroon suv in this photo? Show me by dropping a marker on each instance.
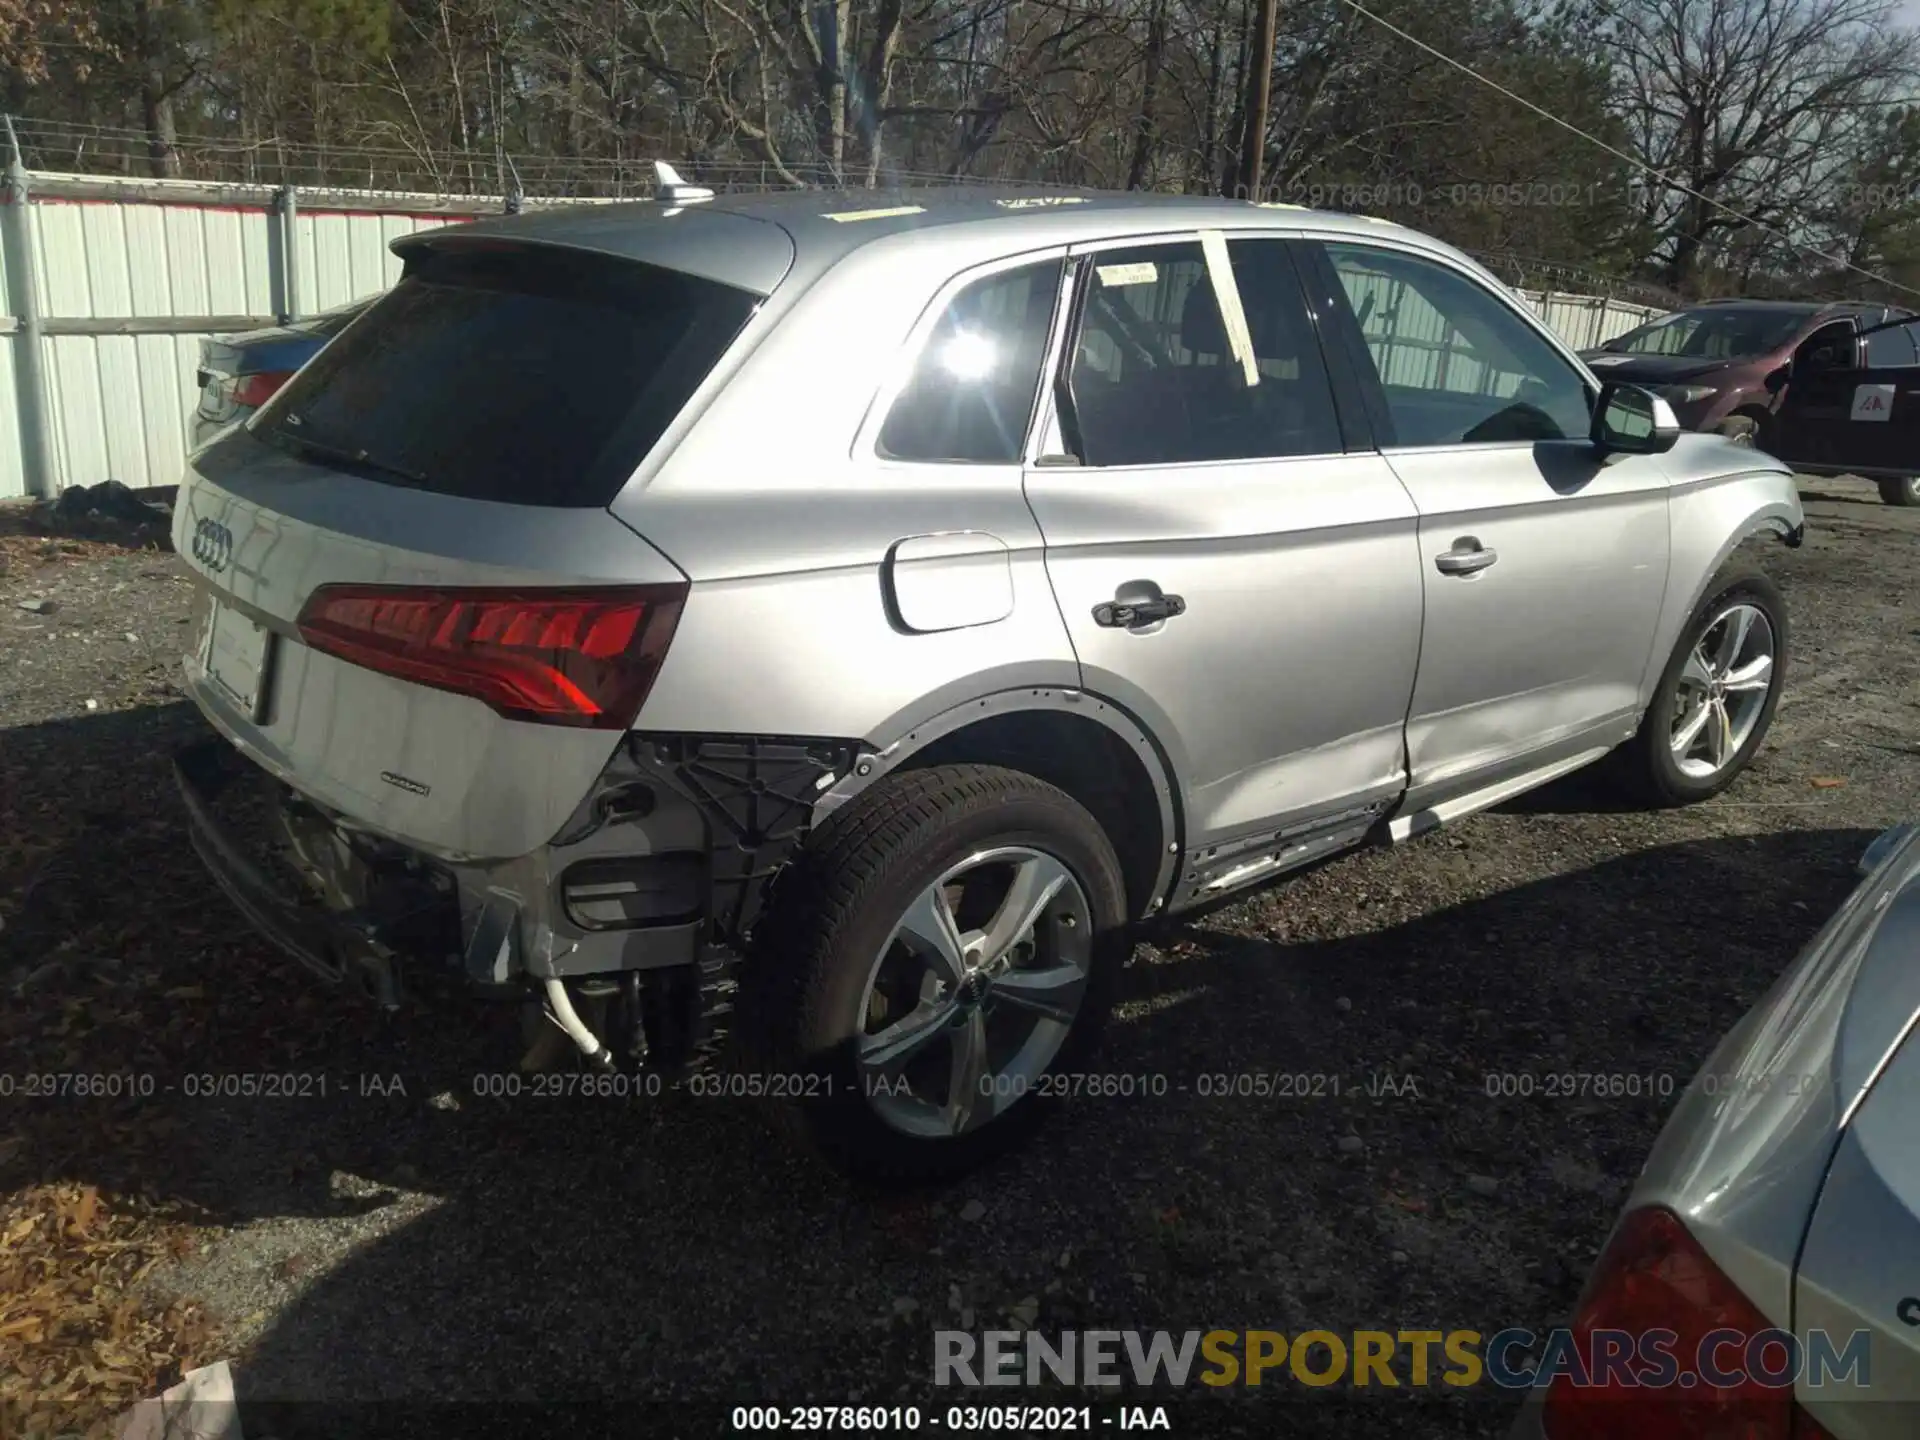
(1721, 364)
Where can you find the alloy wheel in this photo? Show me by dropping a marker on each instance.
(974, 992)
(1722, 690)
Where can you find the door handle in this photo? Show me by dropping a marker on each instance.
(1467, 557)
(1125, 614)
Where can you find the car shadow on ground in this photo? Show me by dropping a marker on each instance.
(1591, 790)
(423, 1240)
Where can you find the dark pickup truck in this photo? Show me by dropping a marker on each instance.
(1848, 411)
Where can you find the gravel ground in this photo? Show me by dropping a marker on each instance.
(403, 1239)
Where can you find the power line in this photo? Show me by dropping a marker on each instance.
(1618, 153)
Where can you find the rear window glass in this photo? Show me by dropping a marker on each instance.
(1893, 346)
(526, 376)
(970, 398)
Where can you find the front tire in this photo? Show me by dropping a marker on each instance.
(1904, 492)
(932, 955)
(1716, 697)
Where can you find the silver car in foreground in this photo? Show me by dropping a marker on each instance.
(1773, 1239)
(826, 624)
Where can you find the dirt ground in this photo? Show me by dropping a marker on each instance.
(402, 1238)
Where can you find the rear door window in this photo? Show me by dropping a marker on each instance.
(523, 375)
(1159, 375)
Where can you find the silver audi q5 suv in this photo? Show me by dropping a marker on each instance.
(806, 633)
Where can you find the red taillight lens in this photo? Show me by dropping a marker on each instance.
(256, 390)
(1655, 1276)
(565, 657)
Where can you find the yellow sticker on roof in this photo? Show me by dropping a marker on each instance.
(1036, 202)
(1141, 272)
(845, 215)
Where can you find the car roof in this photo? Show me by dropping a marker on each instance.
(753, 241)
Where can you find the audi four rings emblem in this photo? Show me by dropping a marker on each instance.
(212, 545)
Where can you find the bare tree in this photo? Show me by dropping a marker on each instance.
(1742, 106)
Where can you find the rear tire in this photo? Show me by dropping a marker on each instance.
(1901, 492)
(857, 945)
(1708, 716)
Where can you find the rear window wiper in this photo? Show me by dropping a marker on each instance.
(344, 455)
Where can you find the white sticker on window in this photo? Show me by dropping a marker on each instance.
(1036, 202)
(1141, 272)
(845, 215)
(1873, 402)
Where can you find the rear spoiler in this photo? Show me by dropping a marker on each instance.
(719, 245)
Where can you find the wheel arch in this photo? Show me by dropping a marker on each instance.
(1071, 739)
(1713, 523)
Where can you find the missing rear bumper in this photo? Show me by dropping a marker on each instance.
(639, 905)
(385, 919)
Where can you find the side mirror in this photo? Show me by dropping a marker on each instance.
(1631, 421)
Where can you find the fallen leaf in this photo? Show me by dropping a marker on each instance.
(80, 1221)
(1827, 782)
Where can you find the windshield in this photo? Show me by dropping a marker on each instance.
(521, 375)
(1725, 332)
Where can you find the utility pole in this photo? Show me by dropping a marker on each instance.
(1253, 144)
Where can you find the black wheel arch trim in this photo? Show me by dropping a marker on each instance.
(875, 762)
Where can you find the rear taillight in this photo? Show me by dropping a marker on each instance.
(1655, 1277)
(565, 657)
(255, 390)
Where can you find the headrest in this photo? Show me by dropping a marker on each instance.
(1202, 332)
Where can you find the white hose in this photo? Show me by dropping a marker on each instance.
(560, 1006)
